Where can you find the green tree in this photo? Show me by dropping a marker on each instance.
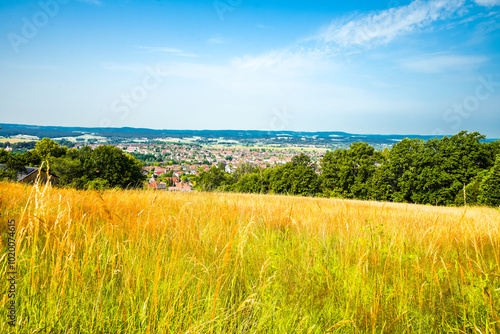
(11, 166)
(449, 163)
(435, 171)
(30, 158)
(250, 183)
(489, 192)
(399, 173)
(297, 177)
(113, 165)
(47, 148)
(214, 179)
(348, 172)
(243, 169)
(98, 184)
(472, 191)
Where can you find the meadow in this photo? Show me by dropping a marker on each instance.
(135, 261)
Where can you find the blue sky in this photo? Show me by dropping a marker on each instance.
(389, 67)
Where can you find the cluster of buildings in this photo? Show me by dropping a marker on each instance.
(169, 162)
(198, 156)
(173, 161)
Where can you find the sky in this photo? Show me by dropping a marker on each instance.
(365, 67)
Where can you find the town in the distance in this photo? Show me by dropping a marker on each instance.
(328, 164)
(170, 162)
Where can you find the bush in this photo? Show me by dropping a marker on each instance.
(98, 184)
(489, 192)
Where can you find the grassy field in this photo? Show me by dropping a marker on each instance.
(157, 262)
(13, 140)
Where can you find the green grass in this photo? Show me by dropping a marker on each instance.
(156, 262)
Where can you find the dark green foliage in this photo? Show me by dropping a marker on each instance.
(447, 165)
(432, 172)
(471, 191)
(30, 158)
(413, 171)
(114, 166)
(250, 183)
(104, 167)
(346, 173)
(489, 192)
(146, 157)
(98, 184)
(11, 166)
(46, 148)
(214, 179)
(19, 146)
(69, 168)
(297, 177)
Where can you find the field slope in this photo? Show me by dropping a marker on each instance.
(157, 262)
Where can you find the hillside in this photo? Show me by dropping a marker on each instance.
(149, 262)
(253, 138)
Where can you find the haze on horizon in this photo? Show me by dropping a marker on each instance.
(386, 67)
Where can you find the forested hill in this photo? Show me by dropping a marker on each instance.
(128, 132)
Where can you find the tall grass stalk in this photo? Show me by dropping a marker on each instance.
(156, 262)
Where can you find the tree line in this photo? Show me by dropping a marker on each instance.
(100, 168)
(456, 170)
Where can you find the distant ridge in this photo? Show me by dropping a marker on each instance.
(62, 131)
(339, 137)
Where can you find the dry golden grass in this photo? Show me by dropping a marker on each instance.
(157, 262)
(14, 140)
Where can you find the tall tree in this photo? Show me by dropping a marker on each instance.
(214, 179)
(114, 166)
(347, 172)
(11, 166)
(47, 148)
(489, 192)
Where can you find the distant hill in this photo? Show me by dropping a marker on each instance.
(341, 138)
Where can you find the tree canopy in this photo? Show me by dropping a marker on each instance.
(456, 170)
(435, 172)
(104, 167)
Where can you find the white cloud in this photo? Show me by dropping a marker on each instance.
(32, 67)
(384, 26)
(167, 51)
(443, 63)
(262, 26)
(92, 2)
(137, 68)
(358, 32)
(217, 40)
(487, 3)
(301, 56)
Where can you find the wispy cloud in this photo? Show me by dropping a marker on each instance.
(358, 32)
(443, 63)
(487, 3)
(92, 2)
(284, 61)
(137, 68)
(217, 40)
(384, 26)
(31, 66)
(167, 51)
(481, 30)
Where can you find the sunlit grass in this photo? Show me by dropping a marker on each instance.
(158, 262)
